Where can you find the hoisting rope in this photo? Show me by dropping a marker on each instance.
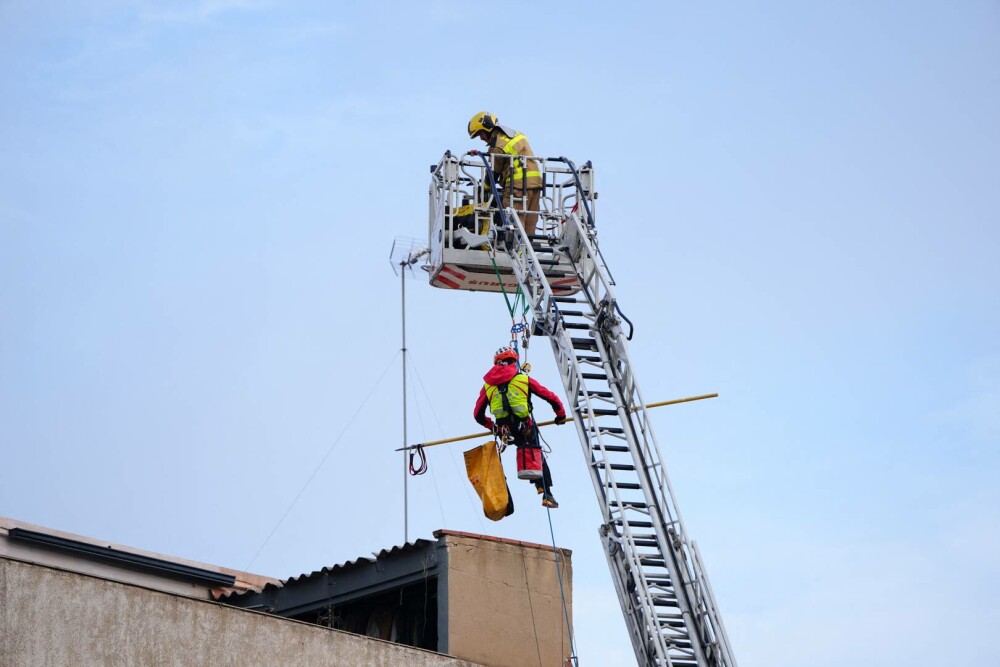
(519, 296)
(569, 628)
(519, 299)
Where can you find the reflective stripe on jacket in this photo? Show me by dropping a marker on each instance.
(517, 397)
(519, 170)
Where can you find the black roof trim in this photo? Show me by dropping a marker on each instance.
(117, 556)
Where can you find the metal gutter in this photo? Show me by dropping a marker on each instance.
(125, 558)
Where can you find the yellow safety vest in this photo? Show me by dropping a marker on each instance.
(517, 397)
(518, 173)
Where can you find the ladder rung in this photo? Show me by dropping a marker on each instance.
(625, 485)
(665, 601)
(602, 394)
(635, 524)
(594, 376)
(629, 503)
(571, 313)
(584, 343)
(615, 466)
(611, 448)
(601, 412)
(612, 429)
(567, 299)
(576, 325)
(645, 543)
(653, 562)
(659, 581)
(670, 617)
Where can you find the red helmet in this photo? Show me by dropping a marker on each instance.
(505, 353)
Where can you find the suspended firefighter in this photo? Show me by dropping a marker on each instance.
(507, 391)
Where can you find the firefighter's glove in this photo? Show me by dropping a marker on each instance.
(560, 420)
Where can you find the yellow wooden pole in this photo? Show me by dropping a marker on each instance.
(549, 423)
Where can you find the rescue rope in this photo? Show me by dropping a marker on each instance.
(519, 296)
(531, 608)
(562, 592)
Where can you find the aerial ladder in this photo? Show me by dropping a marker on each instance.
(670, 611)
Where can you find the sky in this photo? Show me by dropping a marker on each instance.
(200, 329)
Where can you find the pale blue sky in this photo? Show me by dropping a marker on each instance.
(799, 202)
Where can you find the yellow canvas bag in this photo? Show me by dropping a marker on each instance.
(485, 471)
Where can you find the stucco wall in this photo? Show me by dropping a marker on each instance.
(505, 609)
(54, 617)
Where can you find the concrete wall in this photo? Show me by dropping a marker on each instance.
(55, 617)
(504, 604)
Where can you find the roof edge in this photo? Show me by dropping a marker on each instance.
(502, 540)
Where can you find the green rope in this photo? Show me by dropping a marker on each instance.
(502, 289)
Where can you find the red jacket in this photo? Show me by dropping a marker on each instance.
(497, 376)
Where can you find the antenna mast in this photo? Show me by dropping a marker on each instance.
(405, 253)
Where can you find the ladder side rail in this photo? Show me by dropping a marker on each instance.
(529, 273)
(722, 637)
(688, 568)
(634, 621)
(535, 285)
(613, 366)
(627, 384)
(656, 638)
(645, 588)
(708, 619)
(639, 450)
(514, 236)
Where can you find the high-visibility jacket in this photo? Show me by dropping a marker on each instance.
(517, 397)
(500, 375)
(516, 169)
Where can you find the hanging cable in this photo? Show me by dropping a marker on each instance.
(562, 592)
(468, 494)
(323, 460)
(531, 608)
(423, 429)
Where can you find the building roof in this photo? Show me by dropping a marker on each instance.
(410, 552)
(37, 544)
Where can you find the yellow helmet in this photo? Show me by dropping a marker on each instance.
(483, 121)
